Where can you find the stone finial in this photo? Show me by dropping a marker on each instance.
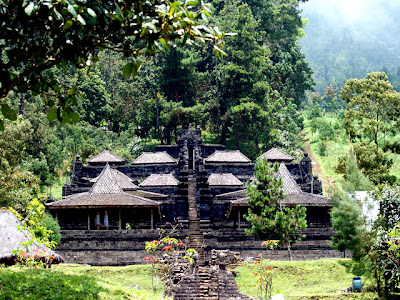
(77, 157)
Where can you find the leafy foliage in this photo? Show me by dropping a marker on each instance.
(384, 253)
(373, 162)
(349, 225)
(72, 32)
(268, 217)
(372, 107)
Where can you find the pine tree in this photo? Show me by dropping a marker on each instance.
(269, 219)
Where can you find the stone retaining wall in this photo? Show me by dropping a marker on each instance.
(124, 247)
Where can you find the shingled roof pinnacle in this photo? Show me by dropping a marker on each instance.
(106, 183)
(106, 157)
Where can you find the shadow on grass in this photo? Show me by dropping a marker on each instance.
(30, 283)
(355, 268)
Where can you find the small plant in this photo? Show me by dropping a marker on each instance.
(167, 252)
(128, 226)
(265, 272)
(39, 259)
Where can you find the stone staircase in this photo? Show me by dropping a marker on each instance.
(196, 238)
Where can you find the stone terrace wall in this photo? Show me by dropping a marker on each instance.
(112, 247)
(122, 247)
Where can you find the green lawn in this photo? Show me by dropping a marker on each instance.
(296, 280)
(319, 279)
(78, 282)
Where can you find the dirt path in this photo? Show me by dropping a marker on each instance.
(327, 181)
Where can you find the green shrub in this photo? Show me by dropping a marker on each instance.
(51, 224)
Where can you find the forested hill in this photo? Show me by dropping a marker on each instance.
(348, 39)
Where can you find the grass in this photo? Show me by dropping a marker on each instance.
(67, 281)
(319, 279)
(56, 190)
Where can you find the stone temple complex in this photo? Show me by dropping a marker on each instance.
(110, 208)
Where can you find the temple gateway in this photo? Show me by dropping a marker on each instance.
(110, 208)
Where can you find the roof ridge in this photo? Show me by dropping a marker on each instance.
(106, 151)
(283, 155)
(240, 158)
(167, 158)
(106, 184)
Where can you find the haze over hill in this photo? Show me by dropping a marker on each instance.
(346, 39)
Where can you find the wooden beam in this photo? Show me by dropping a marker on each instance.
(152, 219)
(238, 221)
(119, 219)
(88, 220)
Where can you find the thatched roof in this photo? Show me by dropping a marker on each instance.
(150, 158)
(11, 238)
(160, 180)
(276, 154)
(106, 192)
(106, 157)
(227, 156)
(125, 182)
(224, 179)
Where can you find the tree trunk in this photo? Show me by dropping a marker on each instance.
(158, 119)
(175, 134)
(168, 134)
(222, 139)
(256, 145)
(237, 142)
(290, 251)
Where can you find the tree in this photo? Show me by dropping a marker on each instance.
(37, 35)
(242, 77)
(372, 109)
(384, 254)
(372, 161)
(349, 225)
(268, 217)
(249, 121)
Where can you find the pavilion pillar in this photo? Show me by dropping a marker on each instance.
(119, 219)
(152, 219)
(88, 220)
(238, 221)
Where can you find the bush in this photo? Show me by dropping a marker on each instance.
(321, 148)
(51, 224)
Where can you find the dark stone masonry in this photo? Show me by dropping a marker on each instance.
(199, 186)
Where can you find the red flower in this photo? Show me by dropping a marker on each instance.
(257, 262)
(181, 244)
(167, 248)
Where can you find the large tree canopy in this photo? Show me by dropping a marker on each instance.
(372, 107)
(36, 35)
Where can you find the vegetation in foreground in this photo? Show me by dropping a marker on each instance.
(320, 279)
(67, 281)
